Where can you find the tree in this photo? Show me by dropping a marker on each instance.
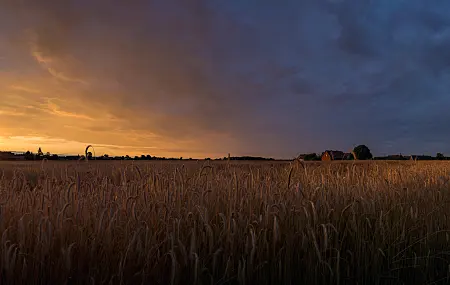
(362, 152)
(39, 154)
(29, 155)
(439, 156)
(310, 157)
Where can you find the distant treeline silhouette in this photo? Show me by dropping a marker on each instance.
(39, 155)
(247, 158)
(439, 156)
(361, 152)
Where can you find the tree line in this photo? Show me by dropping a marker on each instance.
(362, 152)
(40, 155)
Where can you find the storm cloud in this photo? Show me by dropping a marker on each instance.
(210, 77)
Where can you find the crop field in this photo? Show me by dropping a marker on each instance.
(207, 222)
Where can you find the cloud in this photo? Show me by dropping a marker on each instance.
(48, 63)
(53, 108)
(225, 76)
(24, 89)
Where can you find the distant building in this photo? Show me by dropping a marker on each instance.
(6, 155)
(392, 157)
(330, 155)
(421, 157)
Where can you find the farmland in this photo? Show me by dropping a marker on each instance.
(206, 222)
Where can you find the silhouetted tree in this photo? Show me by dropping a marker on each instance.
(29, 155)
(39, 154)
(311, 157)
(362, 152)
(440, 156)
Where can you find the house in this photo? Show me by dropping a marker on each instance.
(397, 157)
(329, 155)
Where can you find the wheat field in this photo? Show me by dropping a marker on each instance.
(208, 222)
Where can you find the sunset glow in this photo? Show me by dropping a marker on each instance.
(209, 78)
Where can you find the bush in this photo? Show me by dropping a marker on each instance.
(362, 152)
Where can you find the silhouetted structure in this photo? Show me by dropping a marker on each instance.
(330, 155)
(422, 157)
(6, 155)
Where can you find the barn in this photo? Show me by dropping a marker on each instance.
(330, 155)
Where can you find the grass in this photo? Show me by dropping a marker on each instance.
(224, 223)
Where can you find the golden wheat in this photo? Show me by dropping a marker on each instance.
(224, 222)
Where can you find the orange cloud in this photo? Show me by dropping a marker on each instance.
(50, 63)
(69, 85)
(53, 108)
(24, 89)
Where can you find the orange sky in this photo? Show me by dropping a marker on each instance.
(41, 110)
(54, 96)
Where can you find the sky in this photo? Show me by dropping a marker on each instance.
(204, 78)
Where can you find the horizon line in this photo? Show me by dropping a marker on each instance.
(220, 157)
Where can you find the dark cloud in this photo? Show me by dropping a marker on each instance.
(276, 78)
